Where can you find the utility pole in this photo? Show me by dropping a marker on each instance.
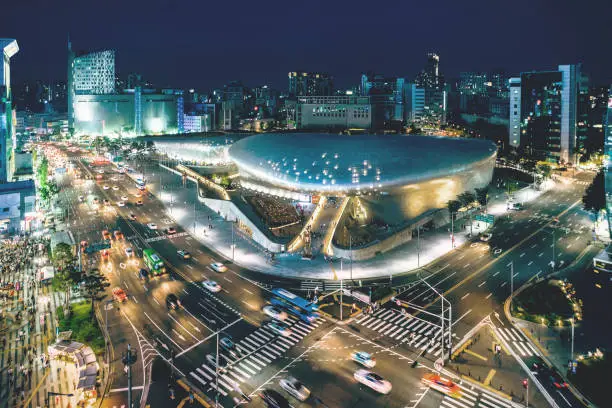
(511, 283)
(418, 246)
(452, 230)
(233, 244)
(194, 217)
(128, 359)
(351, 251)
(554, 263)
(341, 292)
(572, 348)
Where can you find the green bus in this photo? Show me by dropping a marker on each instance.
(153, 262)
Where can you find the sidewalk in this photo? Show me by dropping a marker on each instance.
(180, 200)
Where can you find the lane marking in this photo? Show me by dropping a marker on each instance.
(464, 296)
(489, 295)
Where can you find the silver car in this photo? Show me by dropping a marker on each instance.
(295, 388)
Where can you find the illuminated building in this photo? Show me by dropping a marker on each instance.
(428, 95)
(330, 112)
(310, 84)
(9, 48)
(548, 112)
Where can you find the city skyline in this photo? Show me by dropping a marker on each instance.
(395, 44)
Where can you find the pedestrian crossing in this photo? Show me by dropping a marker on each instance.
(413, 331)
(257, 350)
(470, 398)
(513, 337)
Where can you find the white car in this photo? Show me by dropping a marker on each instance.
(101, 171)
(218, 267)
(295, 388)
(211, 286)
(115, 188)
(486, 237)
(129, 251)
(279, 328)
(275, 312)
(152, 226)
(105, 187)
(363, 358)
(124, 198)
(373, 380)
(120, 204)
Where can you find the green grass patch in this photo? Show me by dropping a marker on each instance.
(589, 377)
(544, 300)
(84, 326)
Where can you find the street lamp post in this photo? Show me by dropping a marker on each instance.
(511, 283)
(553, 249)
(572, 347)
(452, 230)
(351, 252)
(233, 243)
(418, 246)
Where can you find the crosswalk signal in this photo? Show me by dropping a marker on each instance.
(525, 384)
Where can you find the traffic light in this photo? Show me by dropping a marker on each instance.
(525, 383)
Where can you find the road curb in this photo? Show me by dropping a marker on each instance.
(197, 393)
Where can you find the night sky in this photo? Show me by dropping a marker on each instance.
(204, 44)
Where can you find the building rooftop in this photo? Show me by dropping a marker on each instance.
(327, 162)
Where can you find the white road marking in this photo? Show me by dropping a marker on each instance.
(488, 296)
(464, 296)
(247, 291)
(522, 255)
(530, 262)
(462, 316)
(503, 284)
(496, 273)
(227, 279)
(482, 283)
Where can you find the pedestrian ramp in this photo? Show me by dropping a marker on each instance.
(256, 351)
(473, 398)
(412, 331)
(516, 340)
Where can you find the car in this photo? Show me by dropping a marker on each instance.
(137, 194)
(118, 234)
(211, 286)
(228, 345)
(294, 388)
(132, 216)
(129, 251)
(273, 399)
(115, 188)
(124, 198)
(183, 254)
(218, 267)
(212, 360)
(101, 171)
(486, 236)
(104, 253)
(152, 226)
(372, 380)
(114, 178)
(106, 202)
(139, 202)
(279, 328)
(557, 380)
(81, 199)
(105, 187)
(120, 204)
(84, 244)
(119, 294)
(363, 358)
(516, 206)
(275, 312)
(96, 200)
(170, 231)
(442, 384)
(143, 273)
(173, 302)
(106, 235)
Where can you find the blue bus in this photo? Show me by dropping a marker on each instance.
(141, 184)
(297, 306)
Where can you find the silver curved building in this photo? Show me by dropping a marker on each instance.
(320, 163)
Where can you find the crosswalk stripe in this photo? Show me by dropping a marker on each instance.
(276, 347)
(194, 375)
(383, 314)
(381, 311)
(521, 352)
(397, 317)
(402, 334)
(236, 376)
(214, 386)
(261, 363)
(210, 370)
(251, 342)
(511, 335)
(365, 317)
(384, 327)
(501, 332)
(399, 329)
(271, 350)
(392, 328)
(412, 323)
(522, 345)
(378, 324)
(253, 364)
(264, 351)
(285, 341)
(259, 336)
(246, 368)
(295, 337)
(406, 322)
(535, 352)
(245, 346)
(487, 396)
(203, 373)
(518, 335)
(261, 356)
(449, 402)
(367, 320)
(299, 330)
(242, 373)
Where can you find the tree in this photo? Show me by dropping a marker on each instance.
(466, 198)
(594, 199)
(93, 285)
(453, 206)
(482, 196)
(414, 130)
(43, 172)
(65, 272)
(545, 170)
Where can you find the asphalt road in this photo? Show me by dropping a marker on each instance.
(475, 278)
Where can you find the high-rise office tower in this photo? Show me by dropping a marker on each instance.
(9, 48)
(310, 84)
(548, 111)
(430, 85)
(89, 74)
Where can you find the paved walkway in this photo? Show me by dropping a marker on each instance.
(248, 254)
